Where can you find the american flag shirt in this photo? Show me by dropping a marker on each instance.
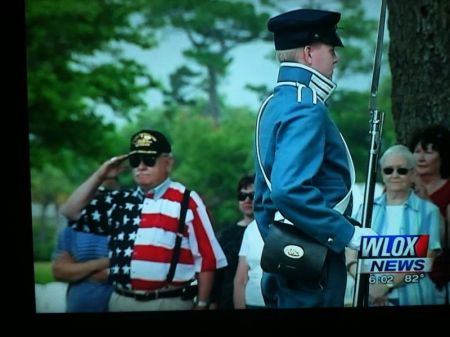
(142, 231)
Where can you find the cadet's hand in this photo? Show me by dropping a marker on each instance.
(355, 242)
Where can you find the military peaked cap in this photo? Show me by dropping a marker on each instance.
(301, 27)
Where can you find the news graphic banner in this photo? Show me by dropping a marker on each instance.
(394, 254)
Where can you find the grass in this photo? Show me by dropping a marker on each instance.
(43, 272)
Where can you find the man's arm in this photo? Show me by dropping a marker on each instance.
(210, 253)
(205, 282)
(65, 268)
(81, 197)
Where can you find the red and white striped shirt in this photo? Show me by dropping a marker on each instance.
(142, 236)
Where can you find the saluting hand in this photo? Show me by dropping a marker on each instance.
(111, 168)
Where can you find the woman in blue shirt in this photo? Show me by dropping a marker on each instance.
(399, 211)
(81, 259)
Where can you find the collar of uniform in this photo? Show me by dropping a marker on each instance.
(297, 72)
(158, 190)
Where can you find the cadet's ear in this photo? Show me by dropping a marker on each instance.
(307, 55)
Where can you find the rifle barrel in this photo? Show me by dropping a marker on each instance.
(361, 290)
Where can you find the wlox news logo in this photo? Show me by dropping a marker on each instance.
(394, 254)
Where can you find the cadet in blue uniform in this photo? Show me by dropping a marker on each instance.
(304, 156)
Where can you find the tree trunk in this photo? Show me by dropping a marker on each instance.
(419, 58)
(213, 108)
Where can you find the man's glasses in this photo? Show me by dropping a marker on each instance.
(243, 195)
(136, 158)
(400, 170)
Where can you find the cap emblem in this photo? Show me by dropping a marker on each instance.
(144, 139)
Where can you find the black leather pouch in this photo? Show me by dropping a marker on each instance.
(292, 253)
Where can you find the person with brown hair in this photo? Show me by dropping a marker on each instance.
(81, 260)
(430, 147)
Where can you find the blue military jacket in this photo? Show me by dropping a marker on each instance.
(304, 157)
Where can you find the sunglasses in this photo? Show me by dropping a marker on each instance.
(243, 195)
(136, 158)
(400, 170)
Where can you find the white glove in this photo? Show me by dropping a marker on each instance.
(355, 242)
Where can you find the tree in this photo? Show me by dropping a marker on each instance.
(358, 34)
(49, 186)
(350, 111)
(214, 29)
(420, 64)
(74, 67)
(350, 108)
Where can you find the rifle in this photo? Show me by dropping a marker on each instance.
(360, 298)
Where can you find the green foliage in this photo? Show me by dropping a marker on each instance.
(66, 84)
(350, 112)
(358, 34)
(42, 250)
(389, 137)
(349, 109)
(44, 240)
(49, 184)
(43, 272)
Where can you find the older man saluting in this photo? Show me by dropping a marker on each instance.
(161, 238)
